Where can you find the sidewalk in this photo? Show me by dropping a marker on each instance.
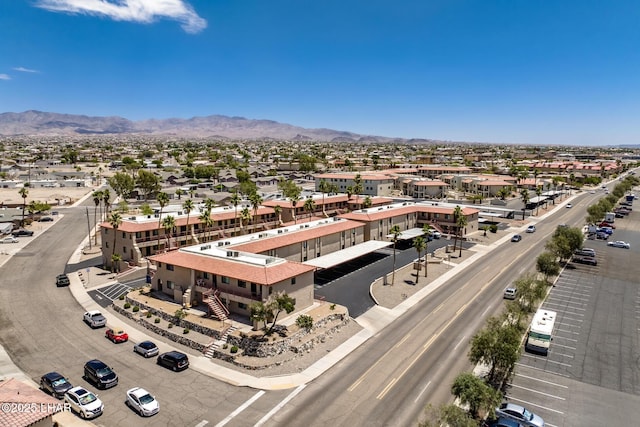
(374, 320)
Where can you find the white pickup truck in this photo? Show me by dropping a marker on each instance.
(95, 319)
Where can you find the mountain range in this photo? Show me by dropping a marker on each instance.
(39, 123)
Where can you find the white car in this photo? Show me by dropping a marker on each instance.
(569, 205)
(94, 318)
(85, 403)
(141, 401)
(619, 244)
(531, 229)
(9, 239)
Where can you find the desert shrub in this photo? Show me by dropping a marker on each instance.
(185, 331)
(156, 320)
(136, 309)
(149, 315)
(234, 349)
(305, 321)
(127, 306)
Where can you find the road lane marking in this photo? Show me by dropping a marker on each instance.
(280, 405)
(538, 392)
(485, 311)
(387, 388)
(422, 391)
(406, 337)
(202, 423)
(241, 408)
(459, 342)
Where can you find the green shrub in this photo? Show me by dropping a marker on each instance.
(156, 320)
(493, 228)
(305, 321)
(170, 325)
(234, 349)
(121, 297)
(225, 346)
(136, 308)
(332, 307)
(185, 331)
(127, 306)
(149, 314)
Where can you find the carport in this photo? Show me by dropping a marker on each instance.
(344, 255)
(408, 234)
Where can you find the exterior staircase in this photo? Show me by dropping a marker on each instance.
(217, 344)
(217, 307)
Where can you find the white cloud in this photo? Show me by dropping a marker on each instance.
(145, 11)
(5, 77)
(25, 70)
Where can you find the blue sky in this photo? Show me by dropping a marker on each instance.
(510, 71)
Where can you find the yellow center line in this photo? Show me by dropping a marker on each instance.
(406, 337)
(387, 388)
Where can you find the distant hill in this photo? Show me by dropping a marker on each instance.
(40, 123)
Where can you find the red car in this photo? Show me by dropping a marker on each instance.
(116, 335)
(607, 224)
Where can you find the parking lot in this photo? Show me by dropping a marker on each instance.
(591, 374)
(105, 295)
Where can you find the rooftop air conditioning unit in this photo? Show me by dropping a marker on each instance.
(306, 226)
(279, 231)
(132, 218)
(220, 243)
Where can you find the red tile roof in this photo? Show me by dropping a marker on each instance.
(375, 214)
(263, 275)
(34, 403)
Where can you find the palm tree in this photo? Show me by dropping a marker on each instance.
(188, 207)
(457, 213)
(245, 217)
(209, 203)
(366, 203)
(349, 191)
(256, 201)
(277, 209)
(538, 194)
(324, 188)
(524, 195)
(461, 222)
(23, 193)
(163, 200)
(294, 202)
(115, 263)
(309, 206)
(426, 229)
(205, 218)
(419, 244)
(503, 193)
(97, 199)
(106, 199)
(357, 184)
(235, 201)
(555, 180)
(169, 223)
(115, 220)
(395, 232)
(179, 193)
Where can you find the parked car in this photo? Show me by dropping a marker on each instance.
(146, 348)
(585, 259)
(531, 229)
(45, 219)
(100, 374)
(21, 232)
(173, 360)
(618, 215)
(619, 244)
(436, 234)
(516, 238)
(601, 235)
(9, 239)
(607, 230)
(141, 401)
(607, 224)
(510, 293)
(95, 319)
(55, 384)
(116, 335)
(85, 403)
(520, 414)
(62, 280)
(504, 422)
(569, 206)
(585, 252)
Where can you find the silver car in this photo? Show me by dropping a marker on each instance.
(146, 349)
(520, 414)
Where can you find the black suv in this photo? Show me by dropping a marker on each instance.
(55, 384)
(100, 374)
(21, 232)
(174, 360)
(62, 280)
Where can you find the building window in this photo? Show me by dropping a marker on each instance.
(242, 284)
(225, 279)
(205, 275)
(170, 267)
(293, 280)
(106, 245)
(124, 235)
(170, 285)
(138, 235)
(242, 306)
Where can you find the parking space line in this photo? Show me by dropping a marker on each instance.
(542, 381)
(539, 392)
(523, 365)
(564, 305)
(565, 338)
(570, 318)
(569, 332)
(537, 406)
(568, 324)
(563, 346)
(547, 360)
(570, 297)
